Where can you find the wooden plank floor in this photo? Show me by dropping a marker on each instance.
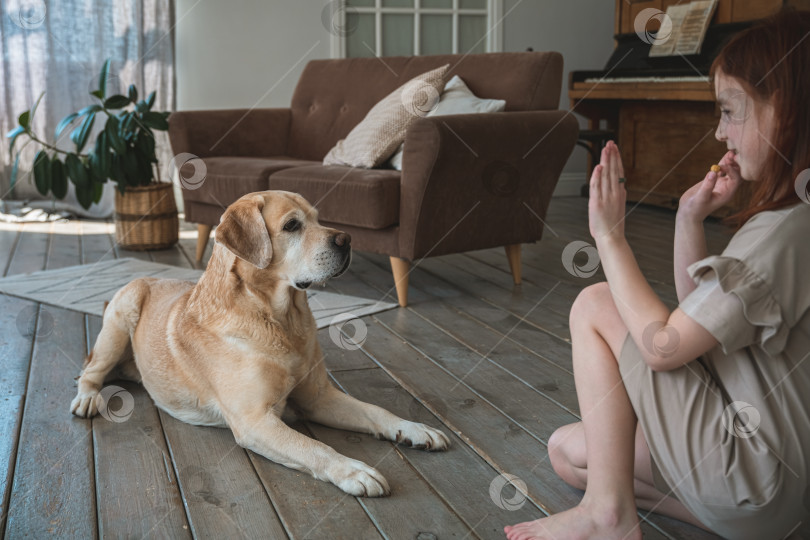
(487, 362)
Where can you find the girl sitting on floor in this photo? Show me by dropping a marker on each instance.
(703, 414)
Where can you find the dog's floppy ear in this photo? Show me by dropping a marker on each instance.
(243, 232)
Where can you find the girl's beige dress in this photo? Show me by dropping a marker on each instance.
(729, 433)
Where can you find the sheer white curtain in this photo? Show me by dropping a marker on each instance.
(58, 47)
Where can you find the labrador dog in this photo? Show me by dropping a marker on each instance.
(233, 349)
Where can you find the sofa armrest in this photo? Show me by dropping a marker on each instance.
(231, 132)
(475, 181)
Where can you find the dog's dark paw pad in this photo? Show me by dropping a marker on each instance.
(399, 436)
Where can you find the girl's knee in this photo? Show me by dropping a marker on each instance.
(590, 302)
(563, 452)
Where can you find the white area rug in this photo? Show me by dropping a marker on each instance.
(86, 287)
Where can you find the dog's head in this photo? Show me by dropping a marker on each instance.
(278, 232)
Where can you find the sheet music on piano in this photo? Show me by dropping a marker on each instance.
(689, 24)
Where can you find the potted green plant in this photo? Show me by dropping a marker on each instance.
(123, 152)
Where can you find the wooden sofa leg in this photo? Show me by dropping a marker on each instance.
(513, 254)
(203, 232)
(400, 269)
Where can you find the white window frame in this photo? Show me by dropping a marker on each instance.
(493, 12)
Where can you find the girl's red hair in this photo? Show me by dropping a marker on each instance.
(771, 61)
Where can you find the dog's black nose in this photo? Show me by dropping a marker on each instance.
(342, 240)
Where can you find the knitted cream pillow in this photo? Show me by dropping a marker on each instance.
(375, 138)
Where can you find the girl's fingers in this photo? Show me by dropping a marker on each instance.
(615, 173)
(596, 182)
(621, 165)
(709, 182)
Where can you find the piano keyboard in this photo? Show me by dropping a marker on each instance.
(647, 79)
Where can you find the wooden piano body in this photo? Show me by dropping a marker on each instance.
(663, 109)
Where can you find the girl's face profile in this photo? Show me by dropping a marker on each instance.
(746, 126)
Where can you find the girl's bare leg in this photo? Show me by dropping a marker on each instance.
(568, 456)
(608, 508)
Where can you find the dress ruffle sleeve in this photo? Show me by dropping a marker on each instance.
(735, 305)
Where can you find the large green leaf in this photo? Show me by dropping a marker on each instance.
(155, 120)
(24, 118)
(85, 195)
(59, 182)
(64, 123)
(130, 164)
(13, 134)
(76, 171)
(90, 108)
(128, 125)
(100, 158)
(150, 100)
(102, 79)
(146, 146)
(42, 172)
(34, 108)
(144, 165)
(14, 169)
(81, 133)
(111, 130)
(98, 190)
(119, 174)
(116, 102)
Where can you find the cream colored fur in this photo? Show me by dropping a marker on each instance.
(235, 348)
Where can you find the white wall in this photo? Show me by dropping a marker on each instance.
(250, 53)
(245, 53)
(582, 30)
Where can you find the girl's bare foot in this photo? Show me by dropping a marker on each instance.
(579, 523)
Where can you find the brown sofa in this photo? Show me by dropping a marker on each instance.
(467, 182)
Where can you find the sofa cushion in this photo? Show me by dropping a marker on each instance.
(375, 138)
(456, 99)
(366, 198)
(528, 81)
(228, 178)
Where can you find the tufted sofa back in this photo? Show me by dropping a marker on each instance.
(333, 96)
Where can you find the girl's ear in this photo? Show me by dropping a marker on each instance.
(243, 232)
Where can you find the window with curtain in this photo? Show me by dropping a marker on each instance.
(419, 27)
(58, 47)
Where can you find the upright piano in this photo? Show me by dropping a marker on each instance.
(662, 109)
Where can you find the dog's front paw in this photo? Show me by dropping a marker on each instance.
(358, 479)
(86, 403)
(421, 436)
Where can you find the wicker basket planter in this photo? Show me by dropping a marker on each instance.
(146, 217)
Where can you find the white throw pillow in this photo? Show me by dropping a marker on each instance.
(456, 99)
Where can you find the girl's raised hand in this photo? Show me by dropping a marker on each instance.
(714, 191)
(607, 195)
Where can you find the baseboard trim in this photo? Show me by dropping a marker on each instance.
(569, 185)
